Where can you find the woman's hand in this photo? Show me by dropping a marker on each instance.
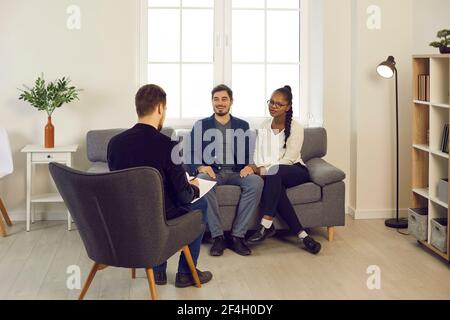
(247, 171)
(262, 171)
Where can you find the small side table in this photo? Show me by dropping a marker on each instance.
(40, 155)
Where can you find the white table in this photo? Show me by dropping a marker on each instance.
(40, 155)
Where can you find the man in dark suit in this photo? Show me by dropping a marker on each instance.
(144, 146)
(220, 151)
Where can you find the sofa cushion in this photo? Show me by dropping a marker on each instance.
(314, 144)
(97, 142)
(305, 193)
(98, 167)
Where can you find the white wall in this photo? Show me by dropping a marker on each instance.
(374, 107)
(336, 83)
(428, 18)
(407, 26)
(100, 58)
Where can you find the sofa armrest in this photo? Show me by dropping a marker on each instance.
(323, 173)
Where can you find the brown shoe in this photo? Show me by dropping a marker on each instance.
(184, 280)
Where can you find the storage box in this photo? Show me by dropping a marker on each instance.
(418, 223)
(439, 233)
(443, 190)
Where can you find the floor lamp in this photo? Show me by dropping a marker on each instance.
(388, 70)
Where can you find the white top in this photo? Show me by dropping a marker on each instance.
(269, 148)
(62, 149)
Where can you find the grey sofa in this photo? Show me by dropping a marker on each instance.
(320, 203)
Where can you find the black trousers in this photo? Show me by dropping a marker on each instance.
(274, 198)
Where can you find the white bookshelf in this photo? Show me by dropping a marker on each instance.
(430, 164)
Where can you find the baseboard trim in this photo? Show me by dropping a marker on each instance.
(20, 216)
(376, 214)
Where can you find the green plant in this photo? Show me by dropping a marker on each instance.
(48, 97)
(445, 39)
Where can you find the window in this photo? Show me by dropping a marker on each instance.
(251, 45)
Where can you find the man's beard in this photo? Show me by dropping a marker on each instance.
(221, 112)
(160, 125)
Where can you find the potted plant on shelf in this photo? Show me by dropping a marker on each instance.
(443, 45)
(48, 97)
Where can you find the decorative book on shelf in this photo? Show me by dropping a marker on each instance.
(424, 87)
(444, 139)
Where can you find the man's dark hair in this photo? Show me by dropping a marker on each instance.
(148, 98)
(222, 87)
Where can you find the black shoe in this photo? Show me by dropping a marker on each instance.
(311, 245)
(262, 234)
(184, 280)
(218, 246)
(238, 245)
(160, 278)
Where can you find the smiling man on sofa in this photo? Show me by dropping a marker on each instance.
(223, 160)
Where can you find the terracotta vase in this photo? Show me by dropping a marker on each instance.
(49, 134)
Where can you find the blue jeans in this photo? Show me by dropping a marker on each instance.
(251, 190)
(194, 247)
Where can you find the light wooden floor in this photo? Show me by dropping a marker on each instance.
(33, 266)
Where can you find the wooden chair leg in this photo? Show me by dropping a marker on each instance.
(88, 282)
(190, 261)
(5, 213)
(330, 234)
(151, 283)
(133, 273)
(2, 228)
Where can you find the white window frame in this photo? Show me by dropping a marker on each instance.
(223, 56)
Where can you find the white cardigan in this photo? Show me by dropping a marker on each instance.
(269, 148)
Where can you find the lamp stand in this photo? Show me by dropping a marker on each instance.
(397, 223)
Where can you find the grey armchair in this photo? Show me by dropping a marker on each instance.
(121, 221)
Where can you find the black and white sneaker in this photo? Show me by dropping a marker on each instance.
(310, 245)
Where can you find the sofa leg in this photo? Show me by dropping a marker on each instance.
(330, 234)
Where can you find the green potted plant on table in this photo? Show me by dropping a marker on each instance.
(443, 45)
(48, 97)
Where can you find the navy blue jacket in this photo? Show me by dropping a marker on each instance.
(198, 131)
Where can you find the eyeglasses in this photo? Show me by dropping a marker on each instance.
(277, 105)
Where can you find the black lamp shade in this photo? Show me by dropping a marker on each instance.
(387, 69)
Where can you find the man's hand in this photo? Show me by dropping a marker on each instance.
(207, 170)
(194, 182)
(247, 171)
